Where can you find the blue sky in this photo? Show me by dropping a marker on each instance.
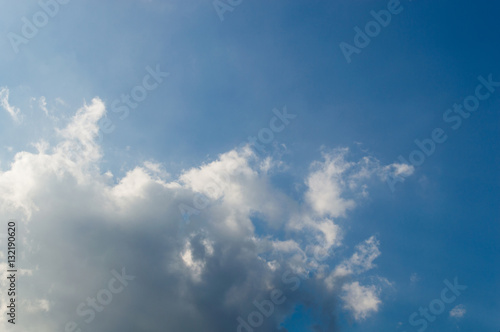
(329, 165)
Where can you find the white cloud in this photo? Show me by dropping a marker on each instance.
(81, 224)
(13, 111)
(458, 311)
(36, 305)
(156, 169)
(335, 183)
(361, 261)
(401, 169)
(59, 101)
(360, 300)
(326, 185)
(42, 103)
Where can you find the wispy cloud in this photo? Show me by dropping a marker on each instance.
(13, 111)
(458, 311)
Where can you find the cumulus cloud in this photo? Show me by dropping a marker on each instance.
(361, 300)
(81, 225)
(327, 183)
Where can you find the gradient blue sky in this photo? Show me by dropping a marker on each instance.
(227, 76)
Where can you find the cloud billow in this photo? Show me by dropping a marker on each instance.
(82, 224)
